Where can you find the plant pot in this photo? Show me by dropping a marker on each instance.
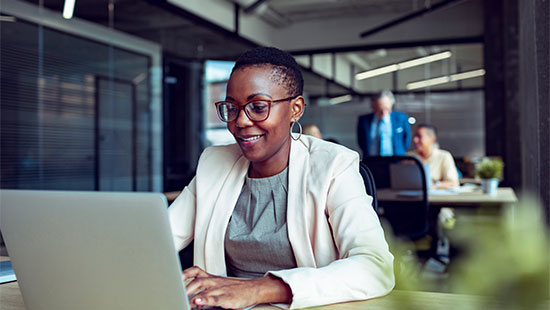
(489, 186)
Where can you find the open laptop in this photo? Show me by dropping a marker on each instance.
(405, 178)
(92, 250)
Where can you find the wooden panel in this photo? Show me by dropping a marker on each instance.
(535, 94)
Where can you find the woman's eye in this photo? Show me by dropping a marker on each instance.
(232, 109)
(259, 107)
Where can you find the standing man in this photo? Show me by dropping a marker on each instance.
(383, 132)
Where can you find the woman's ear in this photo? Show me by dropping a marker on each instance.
(297, 106)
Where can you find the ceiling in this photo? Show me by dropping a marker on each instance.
(301, 10)
(183, 35)
(165, 23)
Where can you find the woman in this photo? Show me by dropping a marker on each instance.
(292, 215)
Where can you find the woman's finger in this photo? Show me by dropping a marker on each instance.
(206, 300)
(199, 284)
(227, 293)
(214, 297)
(194, 272)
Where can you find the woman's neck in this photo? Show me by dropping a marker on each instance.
(263, 173)
(272, 166)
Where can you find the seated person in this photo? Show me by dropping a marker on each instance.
(287, 211)
(444, 175)
(441, 164)
(312, 130)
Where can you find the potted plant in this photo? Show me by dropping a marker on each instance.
(489, 170)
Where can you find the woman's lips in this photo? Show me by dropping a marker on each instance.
(248, 141)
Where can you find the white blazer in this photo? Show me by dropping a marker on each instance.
(334, 232)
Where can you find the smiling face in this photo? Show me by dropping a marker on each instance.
(423, 140)
(267, 143)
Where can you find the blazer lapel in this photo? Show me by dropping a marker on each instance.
(367, 129)
(395, 125)
(298, 220)
(223, 208)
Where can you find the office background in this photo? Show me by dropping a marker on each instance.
(118, 97)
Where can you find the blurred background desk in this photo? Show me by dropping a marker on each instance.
(470, 206)
(504, 196)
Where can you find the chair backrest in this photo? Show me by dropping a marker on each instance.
(370, 185)
(406, 211)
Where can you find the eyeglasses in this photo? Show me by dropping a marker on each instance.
(256, 110)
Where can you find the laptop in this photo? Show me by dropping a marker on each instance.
(405, 178)
(92, 250)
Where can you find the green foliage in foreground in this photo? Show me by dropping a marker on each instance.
(505, 263)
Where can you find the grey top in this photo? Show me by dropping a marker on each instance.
(256, 240)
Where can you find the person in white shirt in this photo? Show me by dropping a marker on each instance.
(312, 130)
(444, 175)
(440, 162)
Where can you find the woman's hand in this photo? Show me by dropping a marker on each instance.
(233, 293)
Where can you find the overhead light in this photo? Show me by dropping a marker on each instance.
(430, 82)
(424, 60)
(467, 75)
(68, 9)
(6, 18)
(376, 72)
(446, 79)
(340, 99)
(403, 65)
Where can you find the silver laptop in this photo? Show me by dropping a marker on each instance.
(92, 250)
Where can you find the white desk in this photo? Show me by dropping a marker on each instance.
(504, 196)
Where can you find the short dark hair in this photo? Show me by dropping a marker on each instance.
(429, 127)
(286, 71)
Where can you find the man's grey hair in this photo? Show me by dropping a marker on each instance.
(385, 93)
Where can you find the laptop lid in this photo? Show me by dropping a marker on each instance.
(92, 250)
(407, 176)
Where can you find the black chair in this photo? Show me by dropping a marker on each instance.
(408, 215)
(370, 185)
(186, 256)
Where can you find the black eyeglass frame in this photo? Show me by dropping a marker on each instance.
(243, 107)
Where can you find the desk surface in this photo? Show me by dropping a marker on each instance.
(10, 299)
(505, 195)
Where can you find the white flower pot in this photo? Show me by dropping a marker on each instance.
(489, 186)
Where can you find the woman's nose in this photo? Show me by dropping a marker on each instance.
(243, 120)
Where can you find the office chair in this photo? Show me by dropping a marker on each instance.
(407, 215)
(370, 185)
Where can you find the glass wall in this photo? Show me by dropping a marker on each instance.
(75, 113)
(216, 76)
(442, 85)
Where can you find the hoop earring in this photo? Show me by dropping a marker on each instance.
(299, 127)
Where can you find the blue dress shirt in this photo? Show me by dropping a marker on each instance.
(381, 133)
